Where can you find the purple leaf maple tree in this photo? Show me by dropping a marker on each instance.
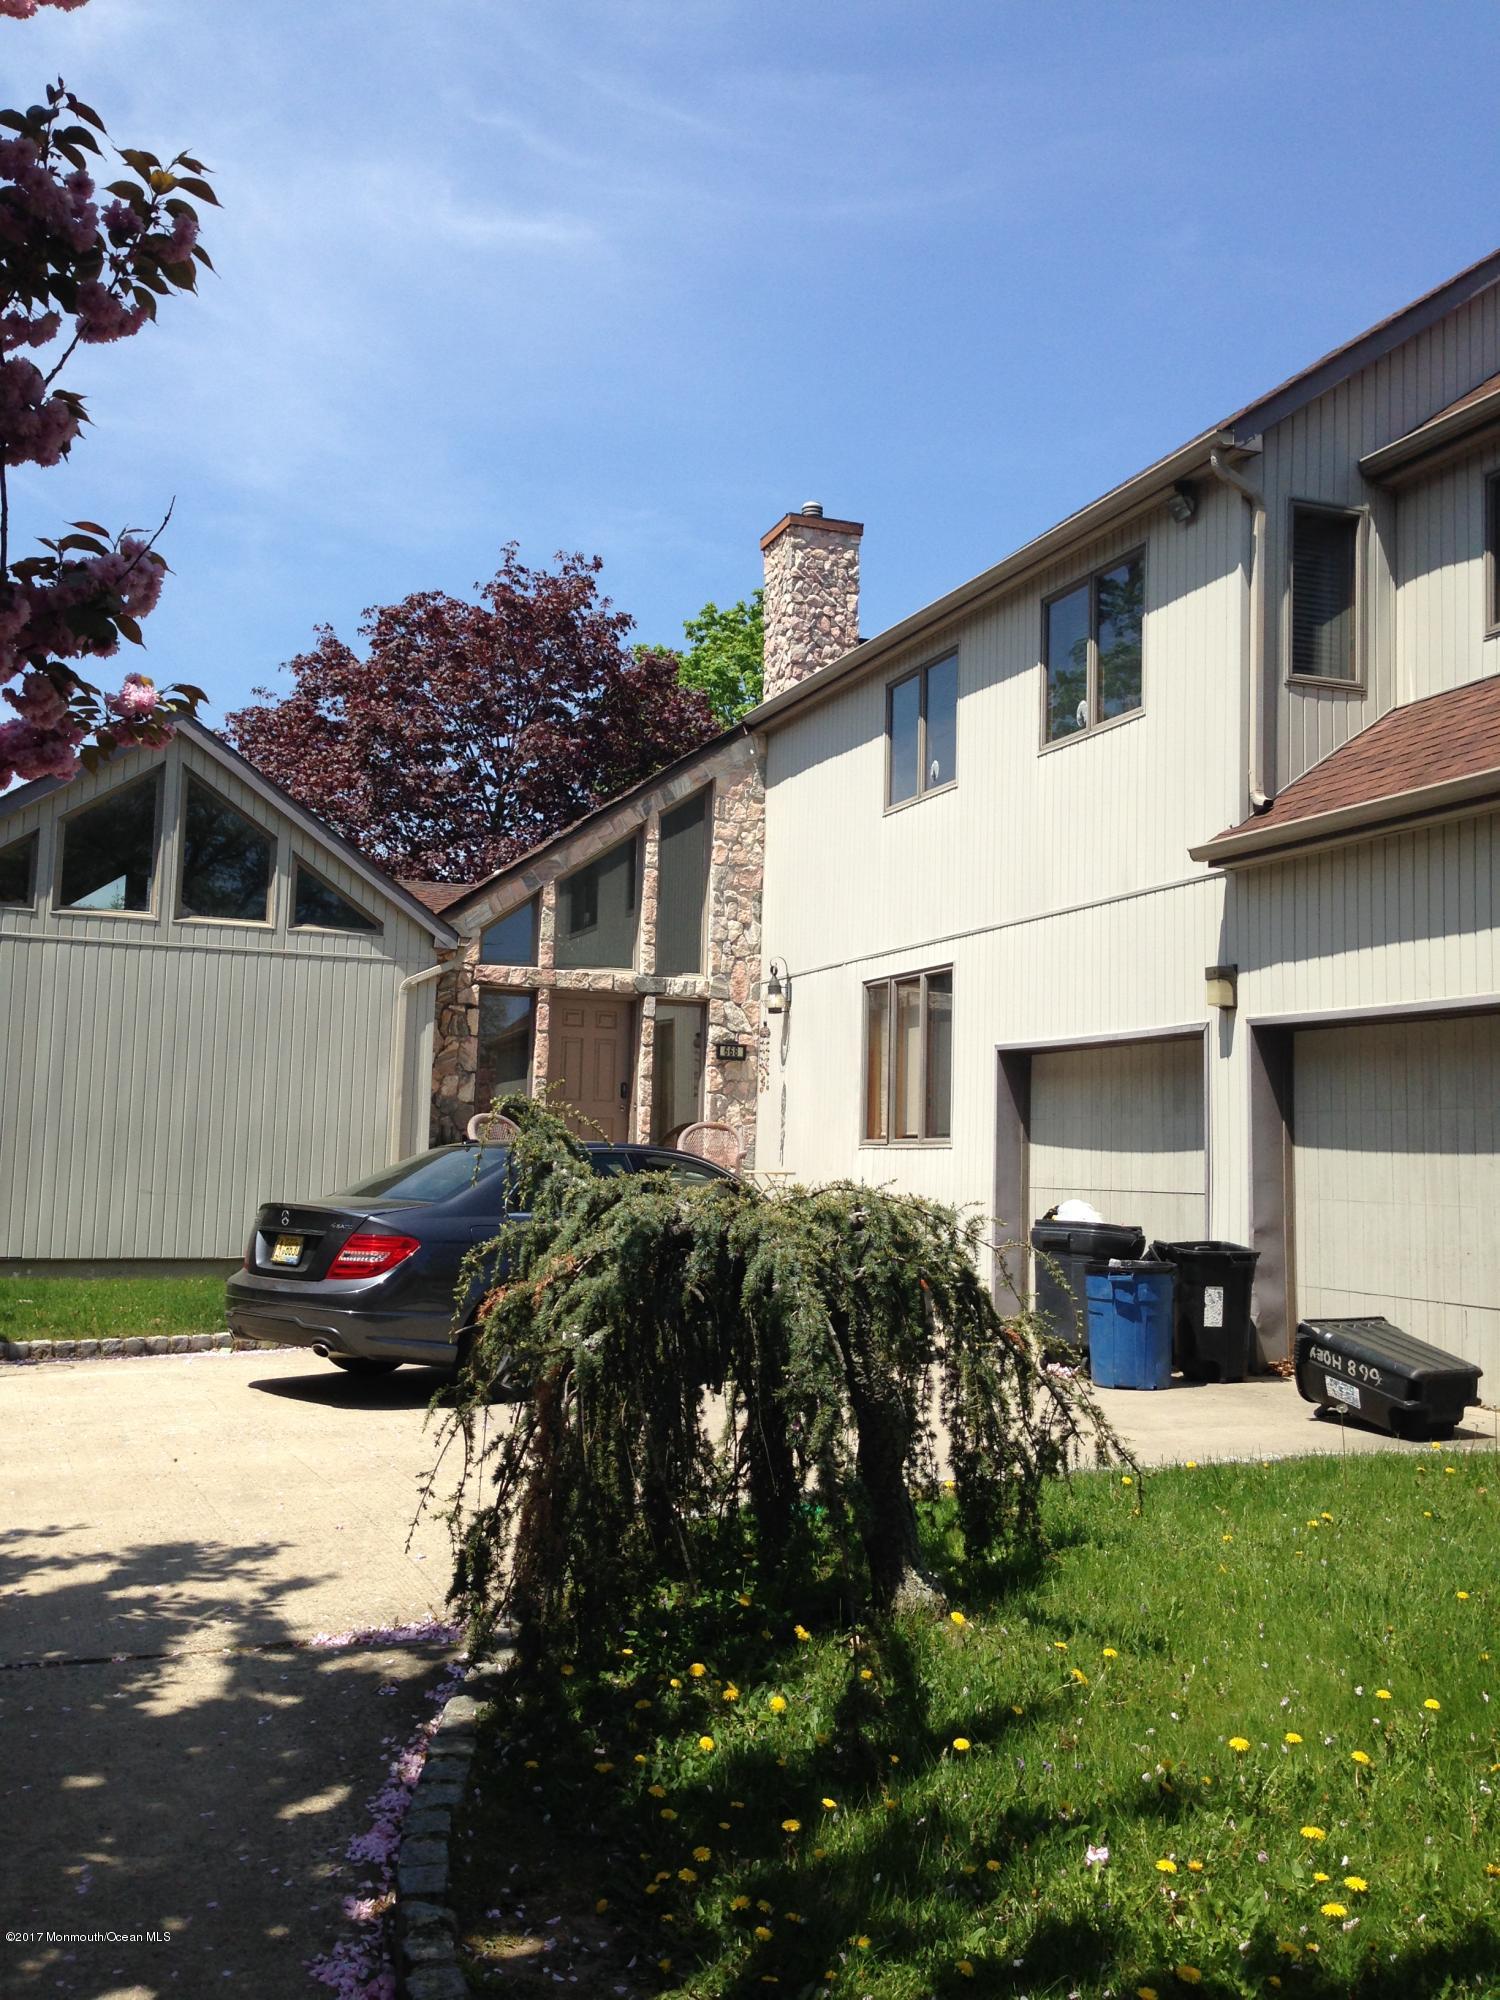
(463, 733)
(80, 264)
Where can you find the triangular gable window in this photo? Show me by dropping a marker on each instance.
(317, 905)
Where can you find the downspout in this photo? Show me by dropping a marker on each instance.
(1254, 647)
(398, 1052)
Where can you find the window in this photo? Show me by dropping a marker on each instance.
(596, 908)
(18, 873)
(682, 886)
(109, 851)
(506, 1024)
(1325, 551)
(909, 1058)
(922, 732)
(677, 1068)
(1092, 649)
(511, 939)
(226, 861)
(1492, 553)
(317, 905)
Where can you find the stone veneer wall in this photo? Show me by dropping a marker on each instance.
(811, 596)
(729, 984)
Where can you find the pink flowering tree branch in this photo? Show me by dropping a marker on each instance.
(75, 272)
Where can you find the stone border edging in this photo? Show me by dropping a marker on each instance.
(426, 1929)
(156, 1343)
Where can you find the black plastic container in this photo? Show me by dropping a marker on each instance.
(1212, 1331)
(1063, 1302)
(1368, 1368)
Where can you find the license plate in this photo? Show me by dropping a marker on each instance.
(1342, 1392)
(287, 1250)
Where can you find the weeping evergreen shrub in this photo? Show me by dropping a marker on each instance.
(696, 1357)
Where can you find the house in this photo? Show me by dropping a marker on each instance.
(209, 998)
(1160, 863)
(616, 964)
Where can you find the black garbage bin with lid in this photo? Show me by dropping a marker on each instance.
(1212, 1331)
(1063, 1301)
(1371, 1369)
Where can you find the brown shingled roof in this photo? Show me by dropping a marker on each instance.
(1425, 756)
(437, 896)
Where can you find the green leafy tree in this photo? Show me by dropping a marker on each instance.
(820, 1328)
(724, 658)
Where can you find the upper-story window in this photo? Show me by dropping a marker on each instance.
(1492, 554)
(18, 873)
(1092, 648)
(596, 910)
(921, 729)
(227, 861)
(318, 906)
(1325, 571)
(682, 885)
(109, 851)
(511, 939)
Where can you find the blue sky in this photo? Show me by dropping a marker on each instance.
(636, 276)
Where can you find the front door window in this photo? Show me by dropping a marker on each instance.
(677, 1069)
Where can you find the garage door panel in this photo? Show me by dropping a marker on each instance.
(1121, 1127)
(1397, 1177)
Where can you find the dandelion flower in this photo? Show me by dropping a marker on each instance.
(705, 1743)
(532, 1764)
(1291, 1737)
(1126, 1480)
(731, 1693)
(1166, 1867)
(791, 1826)
(703, 1854)
(1450, 1469)
(1319, 1876)
(667, 1813)
(802, 1633)
(993, 1867)
(601, 1906)
(861, 1943)
(697, 1670)
(777, 1704)
(830, 1805)
(1462, 1596)
(961, 1743)
(687, 1874)
(966, 1967)
(743, 1598)
(1314, 1833)
(644, 1702)
(1188, 1974)
(1059, 1645)
(865, 1674)
(763, 1932)
(958, 1618)
(1430, 1703)
(1492, 1869)
(1335, 1909)
(1239, 1744)
(1195, 1868)
(1192, 1465)
(604, 1767)
(657, 1791)
(565, 1671)
(1145, 1993)
(1110, 1653)
(1382, 1694)
(1360, 1756)
(739, 1902)
(1357, 1883)
(674, 1682)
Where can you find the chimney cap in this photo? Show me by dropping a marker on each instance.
(813, 507)
(811, 515)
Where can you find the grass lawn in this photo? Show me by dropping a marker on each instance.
(108, 1308)
(1267, 1692)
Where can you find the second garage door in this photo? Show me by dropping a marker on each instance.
(1122, 1127)
(1396, 1175)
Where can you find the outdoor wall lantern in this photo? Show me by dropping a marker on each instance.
(778, 988)
(1182, 503)
(1220, 982)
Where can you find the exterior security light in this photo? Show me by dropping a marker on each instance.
(1220, 982)
(1182, 503)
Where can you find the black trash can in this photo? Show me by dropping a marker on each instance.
(1368, 1368)
(1213, 1308)
(1063, 1303)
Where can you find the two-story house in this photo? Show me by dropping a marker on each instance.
(1160, 863)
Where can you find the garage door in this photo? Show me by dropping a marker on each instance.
(1122, 1127)
(1396, 1178)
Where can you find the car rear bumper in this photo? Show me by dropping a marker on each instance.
(257, 1312)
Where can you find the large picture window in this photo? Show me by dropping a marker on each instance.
(1325, 569)
(511, 939)
(922, 732)
(596, 911)
(226, 861)
(109, 851)
(1092, 649)
(909, 1058)
(682, 886)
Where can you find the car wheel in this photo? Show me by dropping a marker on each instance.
(359, 1364)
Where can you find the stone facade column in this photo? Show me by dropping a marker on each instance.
(455, 1044)
(734, 952)
(811, 595)
(645, 1070)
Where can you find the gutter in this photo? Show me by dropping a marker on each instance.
(1453, 798)
(408, 986)
(1253, 636)
(1144, 490)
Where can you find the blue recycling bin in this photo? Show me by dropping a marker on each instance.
(1130, 1324)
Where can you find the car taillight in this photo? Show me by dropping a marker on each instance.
(366, 1256)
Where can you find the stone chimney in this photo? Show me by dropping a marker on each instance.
(812, 595)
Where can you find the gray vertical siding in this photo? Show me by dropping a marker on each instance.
(162, 1076)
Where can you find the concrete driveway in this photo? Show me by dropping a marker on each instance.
(175, 1529)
